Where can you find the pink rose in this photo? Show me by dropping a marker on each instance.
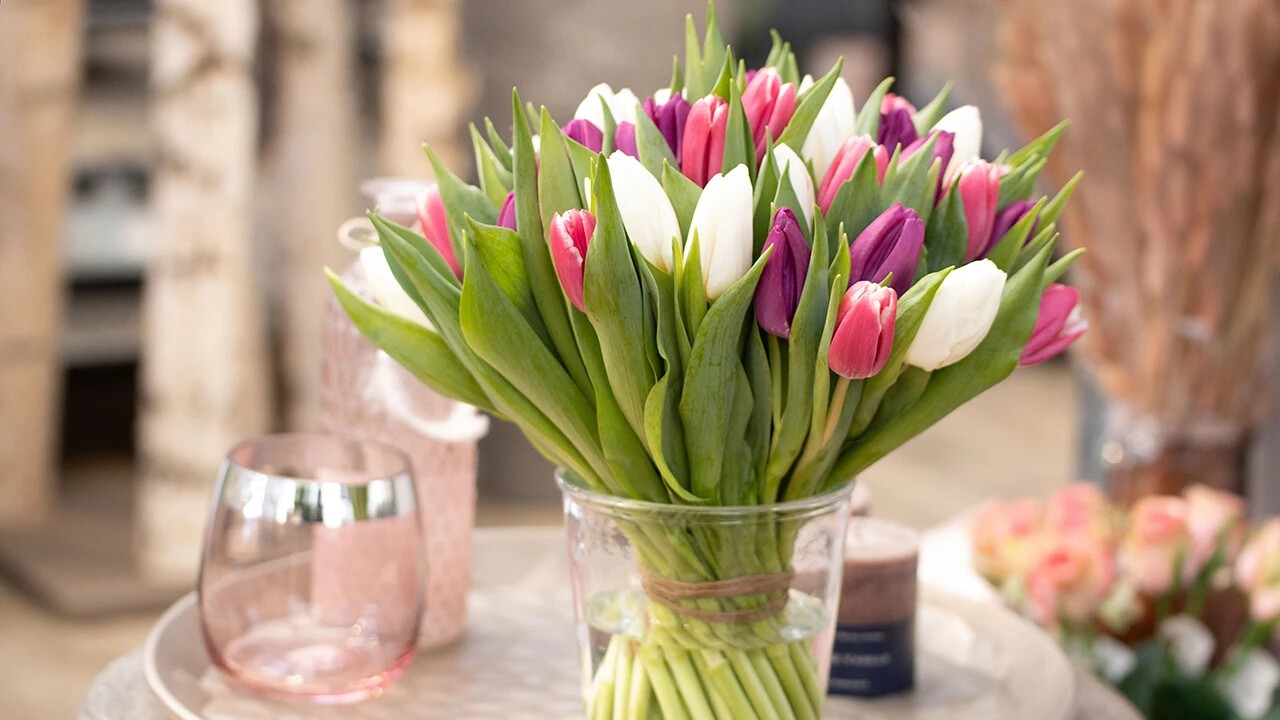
(1215, 519)
(1005, 536)
(1070, 580)
(1258, 572)
(1080, 510)
(1157, 540)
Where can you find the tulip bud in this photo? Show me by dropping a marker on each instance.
(966, 124)
(622, 105)
(646, 211)
(833, 125)
(507, 215)
(845, 162)
(891, 244)
(1070, 579)
(669, 113)
(960, 316)
(585, 133)
(1006, 218)
(943, 149)
(769, 104)
(435, 226)
(778, 293)
(722, 223)
(702, 148)
(1058, 325)
(1215, 519)
(797, 173)
(897, 127)
(569, 236)
(894, 101)
(1258, 572)
(863, 335)
(624, 140)
(1155, 543)
(386, 289)
(978, 183)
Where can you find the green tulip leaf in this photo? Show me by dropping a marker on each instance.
(808, 105)
(929, 115)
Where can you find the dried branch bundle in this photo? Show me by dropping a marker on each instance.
(1175, 107)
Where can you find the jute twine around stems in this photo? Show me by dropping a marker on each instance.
(673, 594)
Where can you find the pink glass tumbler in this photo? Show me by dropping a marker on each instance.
(311, 585)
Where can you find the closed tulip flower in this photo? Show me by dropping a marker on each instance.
(585, 133)
(978, 183)
(622, 105)
(966, 124)
(891, 244)
(960, 316)
(669, 112)
(722, 224)
(897, 127)
(845, 162)
(833, 125)
(943, 149)
(647, 214)
(1006, 218)
(435, 226)
(1057, 326)
(797, 173)
(778, 293)
(894, 101)
(569, 236)
(507, 215)
(386, 289)
(769, 104)
(702, 148)
(624, 139)
(863, 335)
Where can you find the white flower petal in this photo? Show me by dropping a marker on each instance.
(960, 316)
(801, 180)
(590, 107)
(722, 222)
(1190, 642)
(646, 210)
(966, 123)
(833, 125)
(386, 290)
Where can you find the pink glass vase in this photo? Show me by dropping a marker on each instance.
(367, 395)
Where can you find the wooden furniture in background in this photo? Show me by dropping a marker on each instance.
(205, 383)
(39, 79)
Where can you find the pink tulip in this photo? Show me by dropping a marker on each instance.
(1258, 572)
(845, 162)
(1215, 519)
(1058, 325)
(1080, 510)
(570, 234)
(1005, 536)
(978, 183)
(435, 226)
(769, 104)
(864, 330)
(1158, 539)
(703, 145)
(1070, 579)
(507, 214)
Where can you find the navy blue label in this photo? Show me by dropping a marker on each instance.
(871, 660)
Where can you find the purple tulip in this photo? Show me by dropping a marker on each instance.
(891, 244)
(1006, 218)
(507, 215)
(778, 292)
(624, 139)
(585, 133)
(670, 117)
(897, 127)
(943, 149)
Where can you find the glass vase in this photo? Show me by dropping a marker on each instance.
(366, 394)
(700, 612)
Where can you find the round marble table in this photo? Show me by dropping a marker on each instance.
(534, 558)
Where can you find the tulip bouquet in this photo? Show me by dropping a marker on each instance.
(1171, 601)
(736, 292)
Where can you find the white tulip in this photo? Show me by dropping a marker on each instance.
(833, 125)
(661, 96)
(386, 290)
(798, 175)
(960, 317)
(646, 211)
(966, 124)
(623, 105)
(722, 224)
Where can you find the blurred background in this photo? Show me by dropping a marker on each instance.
(172, 173)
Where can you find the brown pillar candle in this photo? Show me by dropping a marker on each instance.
(875, 626)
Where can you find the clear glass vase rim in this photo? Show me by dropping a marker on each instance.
(397, 463)
(820, 502)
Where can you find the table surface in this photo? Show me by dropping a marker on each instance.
(507, 555)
